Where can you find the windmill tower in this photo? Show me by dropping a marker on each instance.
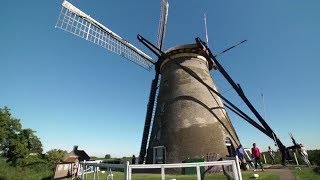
(184, 119)
(190, 120)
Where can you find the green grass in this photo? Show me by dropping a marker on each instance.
(262, 175)
(14, 173)
(306, 174)
(140, 176)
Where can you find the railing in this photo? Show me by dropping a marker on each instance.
(96, 168)
(231, 168)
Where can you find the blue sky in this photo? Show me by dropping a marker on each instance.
(73, 92)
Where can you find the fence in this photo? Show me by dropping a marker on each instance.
(89, 167)
(231, 168)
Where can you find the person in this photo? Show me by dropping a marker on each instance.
(240, 154)
(75, 169)
(256, 155)
(304, 154)
(271, 154)
(133, 160)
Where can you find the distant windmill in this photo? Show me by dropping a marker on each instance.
(185, 111)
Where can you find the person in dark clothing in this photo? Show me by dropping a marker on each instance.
(133, 160)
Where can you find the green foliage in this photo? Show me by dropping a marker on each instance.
(107, 156)
(314, 156)
(23, 173)
(17, 144)
(8, 126)
(277, 157)
(21, 149)
(55, 156)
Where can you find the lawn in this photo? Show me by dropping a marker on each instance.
(8, 172)
(306, 173)
(245, 176)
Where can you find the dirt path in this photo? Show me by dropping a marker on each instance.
(284, 173)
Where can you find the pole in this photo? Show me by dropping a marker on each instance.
(238, 168)
(94, 173)
(198, 172)
(163, 177)
(126, 171)
(295, 157)
(264, 107)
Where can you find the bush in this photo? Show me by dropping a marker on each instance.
(314, 157)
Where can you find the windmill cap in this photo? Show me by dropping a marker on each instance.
(189, 48)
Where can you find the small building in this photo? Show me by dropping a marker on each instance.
(69, 167)
(76, 155)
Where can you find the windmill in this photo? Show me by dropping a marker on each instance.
(186, 116)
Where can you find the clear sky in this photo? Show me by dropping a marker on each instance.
(73, 92)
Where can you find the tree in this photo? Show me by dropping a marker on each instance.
(34, 143)
(16, 149)
(16, 143)
(107, 156)
(314, 156)
(8, 127)
(55, 156)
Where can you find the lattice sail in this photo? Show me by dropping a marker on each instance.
(163, 22)
(73, 20)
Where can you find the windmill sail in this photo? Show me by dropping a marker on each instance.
(73, 20)
(163, 22)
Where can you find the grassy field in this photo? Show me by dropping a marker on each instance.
(306, 174)
(13, 173)
(245, 175)
(39, 173)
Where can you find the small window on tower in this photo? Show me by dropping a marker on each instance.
(166, 83)
(163, 106)
(158, 135)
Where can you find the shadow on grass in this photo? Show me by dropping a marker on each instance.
(45, 178)
(317, 170)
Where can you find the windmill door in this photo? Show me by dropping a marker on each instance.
(159, 155)
(230, 147)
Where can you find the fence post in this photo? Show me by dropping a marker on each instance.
(85, 169)
(81, 169)
(129, 171)
(295, 157)
(126, 174)
(238, 168)
(163, 177)
(94, 173)
(198, 172)
(264, 157)
(98, 169)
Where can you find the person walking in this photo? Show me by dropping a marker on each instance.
(304, 154)
(271, 154)
(240, 154)
(257, 156)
